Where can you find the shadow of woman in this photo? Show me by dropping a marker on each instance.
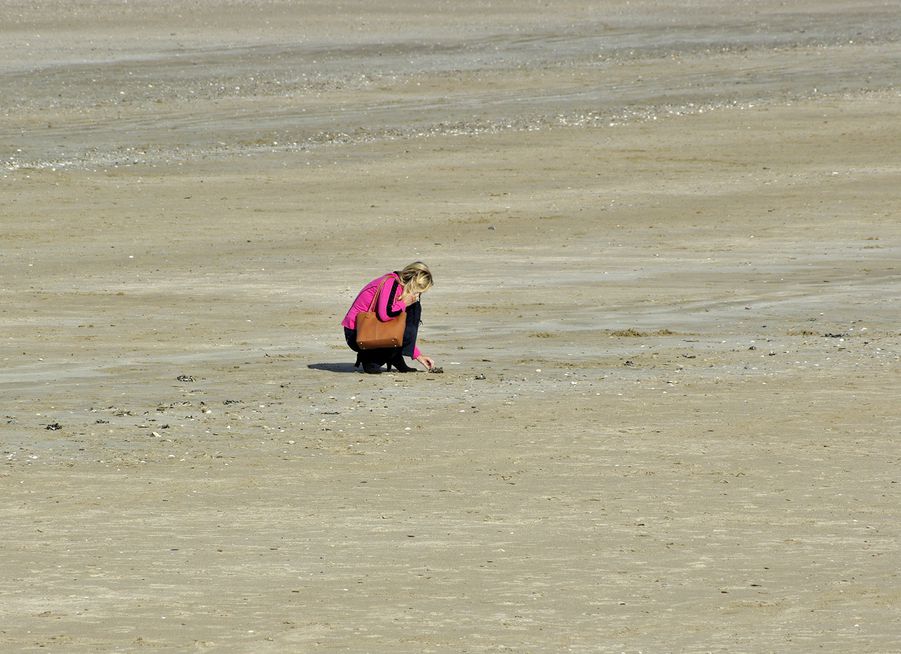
(332, 367)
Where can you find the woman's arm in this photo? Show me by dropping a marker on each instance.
(389, 305)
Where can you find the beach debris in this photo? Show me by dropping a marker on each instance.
(480, 376)
(185, 378)
(629, 363)
(634, 333)
(629, 333)
(437, 370)
(831, 335)
(53, 426)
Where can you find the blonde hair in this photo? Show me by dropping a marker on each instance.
(416, 277)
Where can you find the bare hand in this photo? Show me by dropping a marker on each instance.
(426, 361)
(410, 298)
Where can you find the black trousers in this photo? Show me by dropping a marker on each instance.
(383, 356)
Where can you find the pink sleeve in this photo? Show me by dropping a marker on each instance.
(397, 306)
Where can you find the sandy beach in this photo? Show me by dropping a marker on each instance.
(666, 245)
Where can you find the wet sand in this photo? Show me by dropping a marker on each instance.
(666, 247)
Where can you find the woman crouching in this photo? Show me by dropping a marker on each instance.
(400, 293)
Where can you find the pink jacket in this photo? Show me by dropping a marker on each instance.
(364, 300)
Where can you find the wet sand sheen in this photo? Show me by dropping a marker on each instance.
(212, 80)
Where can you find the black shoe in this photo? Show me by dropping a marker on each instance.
(372, 369)
(398, 362)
